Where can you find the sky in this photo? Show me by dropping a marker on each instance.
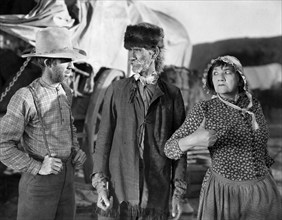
(213, 20)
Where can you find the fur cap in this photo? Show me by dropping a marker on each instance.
(143, 35)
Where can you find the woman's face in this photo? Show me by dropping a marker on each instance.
(225, 81)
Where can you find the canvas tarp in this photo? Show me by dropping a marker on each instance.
(98, 28)
(264, 76)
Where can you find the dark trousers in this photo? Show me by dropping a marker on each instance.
(127, 217)
(127, 214)
(49, 197)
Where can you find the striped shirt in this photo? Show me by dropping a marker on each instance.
(20, 127)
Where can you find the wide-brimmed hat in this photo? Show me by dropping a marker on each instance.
(144, 35)
(231, 60)
(55, 42)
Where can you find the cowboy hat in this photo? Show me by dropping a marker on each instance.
(55, 42)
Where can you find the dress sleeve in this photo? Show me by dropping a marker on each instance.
(12, 128)
(191, 123)
(269, 161)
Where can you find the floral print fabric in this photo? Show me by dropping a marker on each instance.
(240, 152)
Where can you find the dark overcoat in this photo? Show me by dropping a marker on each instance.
(117, 149)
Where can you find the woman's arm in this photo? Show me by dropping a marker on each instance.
(201, 138)
(190, 134)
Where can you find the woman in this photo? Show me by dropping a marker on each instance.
(238, 185)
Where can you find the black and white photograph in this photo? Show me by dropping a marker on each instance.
(140, 110)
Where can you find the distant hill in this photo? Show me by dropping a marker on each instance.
(250, 51)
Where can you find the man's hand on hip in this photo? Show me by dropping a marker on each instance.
(51, 165)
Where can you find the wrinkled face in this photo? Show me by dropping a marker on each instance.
(60, 69)
(140, 59)
(225, 81)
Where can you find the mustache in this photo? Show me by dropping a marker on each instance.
(134, 60)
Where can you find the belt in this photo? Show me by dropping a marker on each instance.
(41, 159)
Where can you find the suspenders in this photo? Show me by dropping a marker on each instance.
(36, 103)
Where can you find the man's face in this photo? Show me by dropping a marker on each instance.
(140, 59)
(60, 69)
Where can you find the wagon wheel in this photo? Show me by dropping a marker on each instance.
(93, 116)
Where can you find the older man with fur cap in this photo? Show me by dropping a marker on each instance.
(133, 177)
(40, 116)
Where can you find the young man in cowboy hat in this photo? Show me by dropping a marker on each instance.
(131, 173)
(39, 115)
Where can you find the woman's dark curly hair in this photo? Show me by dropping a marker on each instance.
(221, 63)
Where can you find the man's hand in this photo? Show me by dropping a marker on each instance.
(205, 138)
(177, 208)
(201, 138)
(51, 165)
(79, 159)
(103, 201)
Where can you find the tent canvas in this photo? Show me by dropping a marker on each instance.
(98, 28)
(264, 76)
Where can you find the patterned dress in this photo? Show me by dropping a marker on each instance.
(239, 173)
